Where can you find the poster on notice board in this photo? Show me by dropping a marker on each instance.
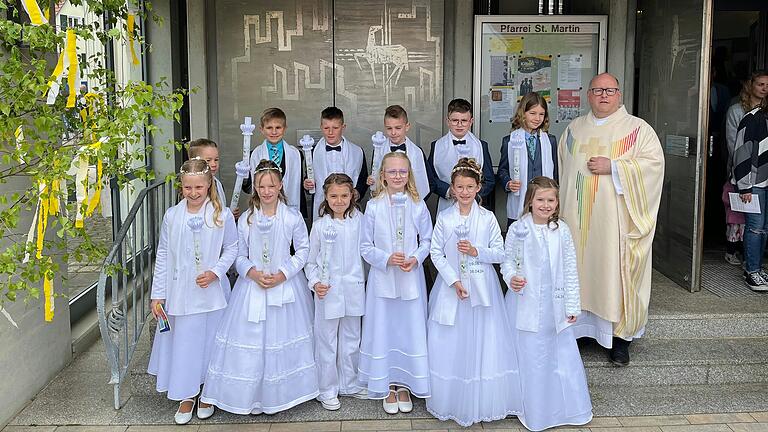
(534, 74)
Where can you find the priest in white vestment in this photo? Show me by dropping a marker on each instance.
(611, 176)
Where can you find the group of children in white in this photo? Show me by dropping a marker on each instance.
(271, 344)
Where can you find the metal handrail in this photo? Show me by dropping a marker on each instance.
(126, 270)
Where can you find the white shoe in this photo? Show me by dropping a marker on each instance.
(183, 418)
(256, 411)
(204, 413)
(404, 406)
(331, 404)
(390, 407)
(360, 394)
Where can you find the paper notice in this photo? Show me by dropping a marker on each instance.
(503, 102)
(740, 206)
(569, 71)
(506, 44)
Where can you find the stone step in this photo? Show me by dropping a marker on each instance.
(654, 362)
(706, 326)
(607, 400)
(681, 362)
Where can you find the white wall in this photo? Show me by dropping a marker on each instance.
(35, 352)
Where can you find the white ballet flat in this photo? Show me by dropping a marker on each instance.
(390, 407)
(404, 406)
(204, 413)
(183, 418)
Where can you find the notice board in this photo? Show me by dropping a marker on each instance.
(555, 56)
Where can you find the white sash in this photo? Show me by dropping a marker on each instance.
(279, 241)
(395, 283)
(418, 167)
(351, 162)
(183, 295)
(292, 174)
(447, 302)
(528, 305)
(446, 155)
(517, 142)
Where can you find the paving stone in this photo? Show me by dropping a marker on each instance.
(13, 428)
(598, 422)
(376, 425)
(174, 428)
(67, 411)
(653, 420)
(629, 429)
(720, 418)
(100, 428)
(761, 416)
(252, 427)
(749, 427)
(429, 424)
(507, 423)
(697, 428)
(306, 427)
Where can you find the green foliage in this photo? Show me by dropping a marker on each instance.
(54, 136)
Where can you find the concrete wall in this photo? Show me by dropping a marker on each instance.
(160, 66)
(198, 69)
(36, 351)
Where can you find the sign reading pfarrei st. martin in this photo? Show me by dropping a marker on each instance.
(538, 28)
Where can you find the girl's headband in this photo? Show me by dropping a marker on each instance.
(468, 168)
(269, 168)
(205, 170)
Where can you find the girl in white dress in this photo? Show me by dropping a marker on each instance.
(335, 274)
(472, 362)
(198, 243)
(263, 360)
(542, 303)
(396, 236)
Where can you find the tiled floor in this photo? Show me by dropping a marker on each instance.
(736, 422)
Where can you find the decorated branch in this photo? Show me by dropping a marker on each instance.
(68, 127)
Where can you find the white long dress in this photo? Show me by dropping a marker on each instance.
(393, 349)
(263, 357)
(179, 357)
(555, 389)
(472, 362)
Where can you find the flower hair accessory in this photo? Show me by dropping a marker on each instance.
(205, 170)
(467, 168)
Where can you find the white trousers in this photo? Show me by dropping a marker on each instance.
(337, 348)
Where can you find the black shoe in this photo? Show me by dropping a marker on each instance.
(755, 281)
(619, 354)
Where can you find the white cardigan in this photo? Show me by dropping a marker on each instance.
(346, 296)
(175, 270)
(558, 244)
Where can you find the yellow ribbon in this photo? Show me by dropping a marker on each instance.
(73, 68)
(48, 294)
(67, 59)
(34, 12)
(131, 38)
(90, 201)
(49, 205)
